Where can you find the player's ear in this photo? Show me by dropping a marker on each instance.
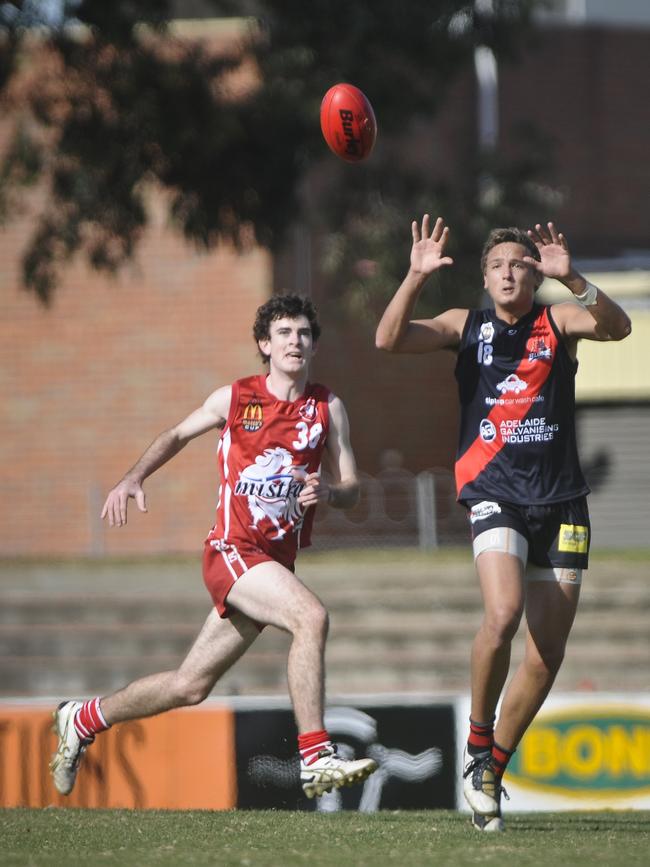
(264, 346)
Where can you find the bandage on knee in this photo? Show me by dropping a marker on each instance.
(504, 540)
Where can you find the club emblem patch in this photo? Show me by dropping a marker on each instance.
(308, 410)
(487, 332)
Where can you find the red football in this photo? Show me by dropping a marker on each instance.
(348, 122)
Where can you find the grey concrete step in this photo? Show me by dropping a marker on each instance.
(398, 623)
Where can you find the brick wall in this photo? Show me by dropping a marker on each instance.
(88, 384)
(401, 402)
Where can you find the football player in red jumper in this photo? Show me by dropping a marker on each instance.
(517, 468)
(276, 428)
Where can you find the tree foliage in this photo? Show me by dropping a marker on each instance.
(108, 103)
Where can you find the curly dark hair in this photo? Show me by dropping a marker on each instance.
(279, 306)
(504, 236)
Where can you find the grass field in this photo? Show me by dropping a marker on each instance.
(284, 839)
(131, 838)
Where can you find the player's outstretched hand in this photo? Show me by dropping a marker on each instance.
(428, 250)
(553, 249)
(115, 507)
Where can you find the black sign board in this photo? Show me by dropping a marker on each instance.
(414, 747)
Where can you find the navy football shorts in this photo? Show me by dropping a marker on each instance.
(558, 534)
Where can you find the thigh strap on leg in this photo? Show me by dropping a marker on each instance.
(556, 574)
(504, 540)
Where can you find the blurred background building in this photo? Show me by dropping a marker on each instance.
(90, 380)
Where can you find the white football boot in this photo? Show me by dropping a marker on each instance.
(330, 772)
(488, 824)
(481, 787)
(70, 748)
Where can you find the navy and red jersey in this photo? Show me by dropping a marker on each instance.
(516, 384)
(266, 447)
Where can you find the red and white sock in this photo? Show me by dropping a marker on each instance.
(311, 743)
(89, 720)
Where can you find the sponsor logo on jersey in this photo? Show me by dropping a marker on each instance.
(507, 401)
(481, 511)
(272, 489)
(573, 538)
(538, 349)
(512, 383)
(487, 430)
(528, 430)
(486, 333)
(586, 752)
(253, 417)
(308, 410)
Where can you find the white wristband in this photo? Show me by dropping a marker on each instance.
(589, 297)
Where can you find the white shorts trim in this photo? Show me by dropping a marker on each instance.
(231, 557)
(504, 540)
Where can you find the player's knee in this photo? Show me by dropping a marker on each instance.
(313, 618)
(501, 624)
(318, 619)
(322, 621)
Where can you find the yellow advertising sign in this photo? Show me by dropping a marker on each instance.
(595, 752)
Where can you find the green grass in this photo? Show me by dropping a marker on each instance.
(283, 839)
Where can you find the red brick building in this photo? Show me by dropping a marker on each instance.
(88, 383)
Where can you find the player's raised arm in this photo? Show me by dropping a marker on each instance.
(598, 317)
(396, 331)
(212, 414)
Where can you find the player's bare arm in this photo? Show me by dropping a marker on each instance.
(342, 488)
(397, 331)
(212, 414)
(604, 320)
